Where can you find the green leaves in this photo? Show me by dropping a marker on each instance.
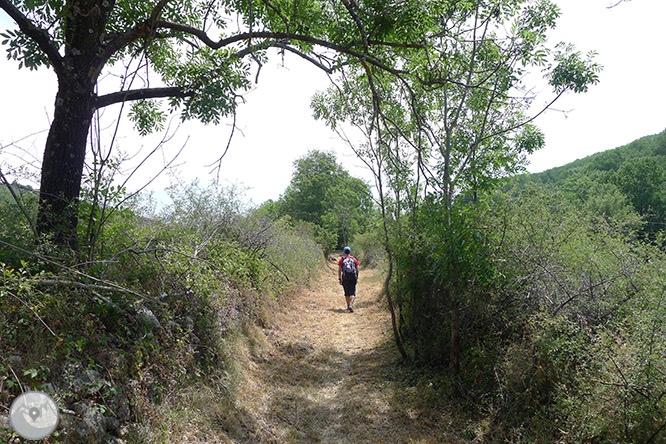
(323, 193)
(214, 80)
(572, 71)
(24, 50)
(147, 117)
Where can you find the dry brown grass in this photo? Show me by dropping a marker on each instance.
(321, 375)
(315, 373)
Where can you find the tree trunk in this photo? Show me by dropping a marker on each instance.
(65, 151)
(62, 166)
(454, 357)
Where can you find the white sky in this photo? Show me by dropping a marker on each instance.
(630, 100)
(277, 126)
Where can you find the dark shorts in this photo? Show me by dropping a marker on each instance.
(350, 288)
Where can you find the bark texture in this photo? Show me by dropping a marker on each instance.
(65, 151)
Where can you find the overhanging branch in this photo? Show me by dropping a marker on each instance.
(317, 63)
(140, 94)
(278, 36)
(141, 30)
(34, 33)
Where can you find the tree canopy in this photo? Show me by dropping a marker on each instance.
(196, 54)
(200, 55)
(323, 193)
(446, 132)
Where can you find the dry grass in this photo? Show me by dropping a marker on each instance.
(321, 378)
(314, 374)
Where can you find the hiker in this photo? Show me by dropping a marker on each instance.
(348, 276)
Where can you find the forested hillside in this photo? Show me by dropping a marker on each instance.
(611, 160)
(631, 176)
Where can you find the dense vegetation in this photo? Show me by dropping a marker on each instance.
(561, 309)
(539, 307)
(551, 297)
(631, 176)
(543, 303)
(156, 309)
(323, 194)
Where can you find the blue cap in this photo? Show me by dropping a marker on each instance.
(347, 250)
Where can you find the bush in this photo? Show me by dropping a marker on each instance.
(154, 310)
(369, 249)
(553, 312)
(15, 223)
(582, 299)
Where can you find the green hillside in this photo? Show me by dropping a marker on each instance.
(653, 146)
(630, 178)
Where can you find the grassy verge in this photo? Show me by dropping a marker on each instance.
(134, 344)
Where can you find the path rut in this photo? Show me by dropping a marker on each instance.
(324, 375)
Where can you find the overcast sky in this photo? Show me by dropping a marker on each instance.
(277, 127)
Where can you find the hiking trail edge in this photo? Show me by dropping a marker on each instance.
(323, 375)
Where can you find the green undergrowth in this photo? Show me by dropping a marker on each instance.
(560, 320)
(146, 319)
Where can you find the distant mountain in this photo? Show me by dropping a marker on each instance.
(612, 160)
(634, 173)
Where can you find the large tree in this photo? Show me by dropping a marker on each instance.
(460, 121)
(322, 192)
(195, 53)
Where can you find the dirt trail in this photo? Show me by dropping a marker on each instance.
(324, 375)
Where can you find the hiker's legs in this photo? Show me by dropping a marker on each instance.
(350, 293)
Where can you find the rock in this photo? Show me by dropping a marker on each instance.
(87, 382)
(112, 424)
(147, 317)
(89, 426)
(120, 405)
(15, 360)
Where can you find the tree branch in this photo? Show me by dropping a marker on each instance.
(119, 288)
(76, 284)
(277, 36)
(37, 35)
(317, 63)
(617, 3)
(32, 310)
(141, 30)
(140, 94)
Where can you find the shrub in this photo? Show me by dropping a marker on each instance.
(369, 249)
(155, 308)
(583, 299)
(556, 313)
